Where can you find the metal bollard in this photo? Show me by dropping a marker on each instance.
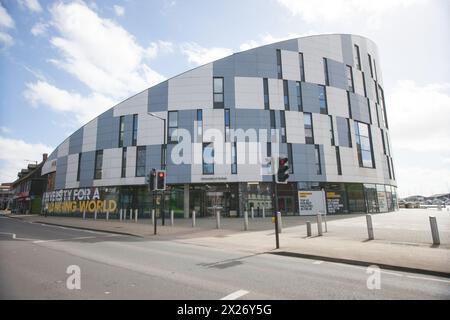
(280, 224)
(120, 214)
(171, 218)
(218, 219)
(245, 220)
(131, 214)
(264, 212)
(193, 218)
(319, 224)
(369, 226)
(107, 215)
(135, 215)
(84, 214)
(95, 215)
(153, 216)
(434, 231)
(308, 228)
(326, 226)
(253, 213)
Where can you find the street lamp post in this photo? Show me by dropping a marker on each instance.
(164, 163)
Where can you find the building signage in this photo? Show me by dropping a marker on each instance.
(334, 202)
(311, 202)
(78, 200)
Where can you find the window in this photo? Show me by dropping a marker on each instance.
(283, 126)
(227, 124)
(309, 135)
(302, 67)
(269, 149)
(375, 69)
(317, 160)
(208, 158)
(338, 161)
(349, 134)
(383, 106)
(299, 96)
(364, 145)
(279, 68)
(350, 86)
(369, 111)
(286, 94)
(364, 84)
(325, 71)
(218, 92)
(389, 167)
(392, 168)
(163, 156)
(370, 65)
(376, 93)
(349, 104)
(79, 166)
(98, 164)
(199, 122)
(140, 161)
(121, 130)
(357, 57)
(290, 158)
(266, 94)
(173, 125)
(387, 144)
(273, 126)
(323, 99)
(331, 130)
(124, 162)
(234, 158)
(135, 129)
(384, 141)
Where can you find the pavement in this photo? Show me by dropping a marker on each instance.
(34, 259)
(402, 239)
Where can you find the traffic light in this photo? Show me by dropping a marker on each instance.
(161, 180)
(283, 170)
(151, 180)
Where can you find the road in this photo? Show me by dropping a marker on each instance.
(34, 259)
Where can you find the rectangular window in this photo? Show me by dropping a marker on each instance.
(286, 95)
(79, 166)
(269, 149)
(389, 167)
(266, 94)
(350, 144)
(349, 104)
(369, 111)
(227, 124)
(357, 58)
(208, 158)
(173, 125)
(388, 147)
(338, 161)
(140, 161)
(299, 96)
(98, 164)
(124, 163)
(350, 84)
(370, 65)
(234, 158)
(302, 67)
(283, 126)
(323, 99)
(121, 130)
(383, 106)
(375, 69)
(290, 158)
(308, 123)
(331, 130)
(325, 71)
(199, 122)
(392, 168)
(163, 156)
(279, 68)
(317, 160)
(364, 145)
(135, 129)
(364, 84)
(272, 119)
(384, 141)
(218, 92)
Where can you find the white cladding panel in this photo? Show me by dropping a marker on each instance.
(290, 65)
(90, 136)
(249, 93)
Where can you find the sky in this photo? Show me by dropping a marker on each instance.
(64, 62)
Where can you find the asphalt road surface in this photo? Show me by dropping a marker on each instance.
(34, 259)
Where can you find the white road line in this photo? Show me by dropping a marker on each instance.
(318, 262)
(429, 279)
(13, 236)
(235, 295)
(68, 239)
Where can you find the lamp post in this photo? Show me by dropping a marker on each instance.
(164, 162)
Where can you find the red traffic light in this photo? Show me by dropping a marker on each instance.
(161, 174)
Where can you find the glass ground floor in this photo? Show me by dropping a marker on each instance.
(231, 199)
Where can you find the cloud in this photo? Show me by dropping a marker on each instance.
(13, 156)
(119, 10)
(32, 5)
(344, 10)
(39, 29)
(5, 19)
(83, 108)
(5, 129)
(199, 55)
(157, 48)
(267, 38)
(6, 39)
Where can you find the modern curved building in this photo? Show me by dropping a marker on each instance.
(318, 100)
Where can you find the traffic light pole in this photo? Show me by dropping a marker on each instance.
(275, 206)
(155, 221)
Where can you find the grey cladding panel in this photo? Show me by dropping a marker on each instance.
(347, 49)
(61, 171)
(107, 131)
(304, 163)
(337, 74)
(310, 93)
(360, 109)
(158, 97)
(342, 130)
(87, 169)
(76, 141)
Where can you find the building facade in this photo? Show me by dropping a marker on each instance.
(5, 196)
(319, 100)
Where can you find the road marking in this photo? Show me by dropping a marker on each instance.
(68, 239)
(430, 279)
(235, 295)
(14, 237)
(318, 262)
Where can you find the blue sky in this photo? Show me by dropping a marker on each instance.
(63, 62)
